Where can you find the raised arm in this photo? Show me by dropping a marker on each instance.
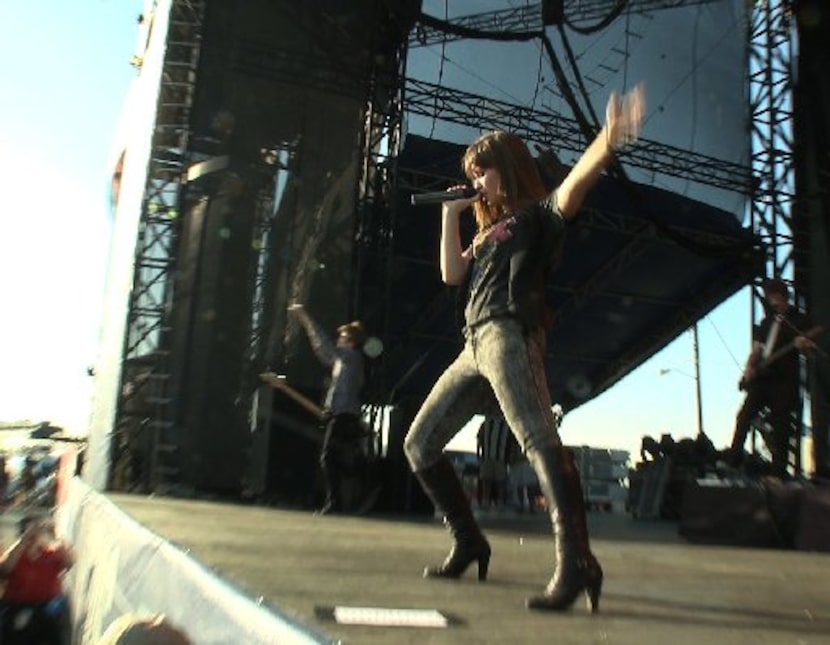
(454, 260)
(320, 342)
(623, 118)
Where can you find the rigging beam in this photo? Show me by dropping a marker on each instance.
(553, 130)
(546, 128)
(528, 18)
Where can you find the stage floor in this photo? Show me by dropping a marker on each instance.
(658, 588)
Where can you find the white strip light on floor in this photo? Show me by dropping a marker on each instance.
(386, 617)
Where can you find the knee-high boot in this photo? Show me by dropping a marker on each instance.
(441, 485)
(577, 569)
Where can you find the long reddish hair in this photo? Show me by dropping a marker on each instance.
(521, 184)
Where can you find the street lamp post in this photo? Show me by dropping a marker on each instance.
(696, 350)
(699, 395)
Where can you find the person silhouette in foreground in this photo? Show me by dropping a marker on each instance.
(34, 609)
(504, 273)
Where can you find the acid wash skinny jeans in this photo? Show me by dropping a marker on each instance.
(497, 354)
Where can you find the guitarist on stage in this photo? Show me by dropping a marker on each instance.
(342, 403)
(771, 376)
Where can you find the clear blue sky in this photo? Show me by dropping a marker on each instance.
(65, 70)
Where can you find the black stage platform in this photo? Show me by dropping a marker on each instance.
(658, 588)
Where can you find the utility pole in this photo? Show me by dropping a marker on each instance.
(696, 349)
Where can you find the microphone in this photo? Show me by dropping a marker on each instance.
(442, 196)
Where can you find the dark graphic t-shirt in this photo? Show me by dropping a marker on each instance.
(782, 365)
(511, 264)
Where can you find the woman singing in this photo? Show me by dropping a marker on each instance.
(504, 273)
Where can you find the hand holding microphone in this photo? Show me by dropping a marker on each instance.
(462, 192)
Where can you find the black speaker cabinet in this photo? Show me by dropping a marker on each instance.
(746, 513)
(813, 532)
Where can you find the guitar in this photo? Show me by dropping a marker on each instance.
(359, 490)
(764, 364)
(279, 384)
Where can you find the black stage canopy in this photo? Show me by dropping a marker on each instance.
(640, 266)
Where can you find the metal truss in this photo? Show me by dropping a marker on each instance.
(147, 405)
(260, 320)
(380, 146)
(305, 69)
(482, 112)
(529, 18)
(375, 207)
(549, 129)
(260, 243)
(769, 183)
(144, 404)
(770, 57)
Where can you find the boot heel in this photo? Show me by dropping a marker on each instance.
(483, 564)
(593, 590)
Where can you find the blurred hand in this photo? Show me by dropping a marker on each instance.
(624, 117)
(803, 344)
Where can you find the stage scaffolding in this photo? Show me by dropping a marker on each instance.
(144, 416)
(772, 46)
(145, 404)
(146, 444)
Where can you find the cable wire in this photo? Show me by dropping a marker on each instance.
(578, 76)
(723, 341)
(602, 24)
(440, 67)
